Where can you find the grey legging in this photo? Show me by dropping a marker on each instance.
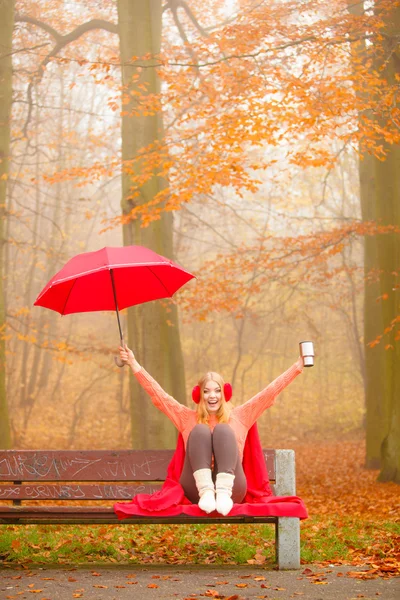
(201, 446)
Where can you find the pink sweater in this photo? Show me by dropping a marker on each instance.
(241, 417)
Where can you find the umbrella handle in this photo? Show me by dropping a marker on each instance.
(119, 362)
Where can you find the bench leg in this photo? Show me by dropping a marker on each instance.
(287, 543)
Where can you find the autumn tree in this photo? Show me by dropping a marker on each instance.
(153, 332)
(387, 202)
(377, 421)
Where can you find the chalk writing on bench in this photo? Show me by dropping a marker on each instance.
(125, 469)
(38, 466)
(9, 492)
(73, 492)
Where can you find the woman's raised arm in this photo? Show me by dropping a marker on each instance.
(249, 412)
(178, 413)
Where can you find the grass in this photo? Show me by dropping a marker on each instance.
(348, 539)
(322, 539)
(134, 544)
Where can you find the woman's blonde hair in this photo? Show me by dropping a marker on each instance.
(222, 413)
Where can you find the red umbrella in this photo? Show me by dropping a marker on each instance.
(112, 279)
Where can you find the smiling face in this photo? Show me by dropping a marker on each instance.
(212, 395)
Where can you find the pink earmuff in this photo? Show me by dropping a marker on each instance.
(227, 393)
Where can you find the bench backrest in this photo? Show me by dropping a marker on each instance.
(87, 474)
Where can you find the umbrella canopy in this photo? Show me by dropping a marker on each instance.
(112, 279)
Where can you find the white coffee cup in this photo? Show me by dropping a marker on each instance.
(307, 353)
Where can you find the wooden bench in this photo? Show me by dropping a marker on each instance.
(86, 483)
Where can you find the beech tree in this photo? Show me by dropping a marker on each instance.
(153, 333)
(387, 202)
(377, 416)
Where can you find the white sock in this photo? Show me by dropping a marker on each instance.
(223, 488)
(207, 501)
(206, 489)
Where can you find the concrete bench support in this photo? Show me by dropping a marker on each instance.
(287, 531)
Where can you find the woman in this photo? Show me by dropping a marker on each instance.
(214, 434)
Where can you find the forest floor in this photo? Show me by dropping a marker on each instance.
(346, 501)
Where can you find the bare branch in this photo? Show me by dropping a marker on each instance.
(173, 5)
(185, 209)
(73, 35)
(61, 42)
(26, 19)
(25, 49)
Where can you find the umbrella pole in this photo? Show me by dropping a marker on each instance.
(117, 360)
(120, 331)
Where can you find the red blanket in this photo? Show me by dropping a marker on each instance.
(170, 500)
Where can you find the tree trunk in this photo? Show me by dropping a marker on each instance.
(388, 209)
(6, 31)
(155, 342)
(376, 420)
(387, 177)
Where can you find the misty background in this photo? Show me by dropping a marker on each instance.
(269, 271)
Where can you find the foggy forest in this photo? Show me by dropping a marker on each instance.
(254, 143)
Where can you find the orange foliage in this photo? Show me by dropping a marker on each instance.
(243, 272)
(278, 73)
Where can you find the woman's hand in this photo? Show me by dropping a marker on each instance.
(127, 356)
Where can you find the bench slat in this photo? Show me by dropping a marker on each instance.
(104, 515)
(93, 465)
(109, 520)
(75, 491)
